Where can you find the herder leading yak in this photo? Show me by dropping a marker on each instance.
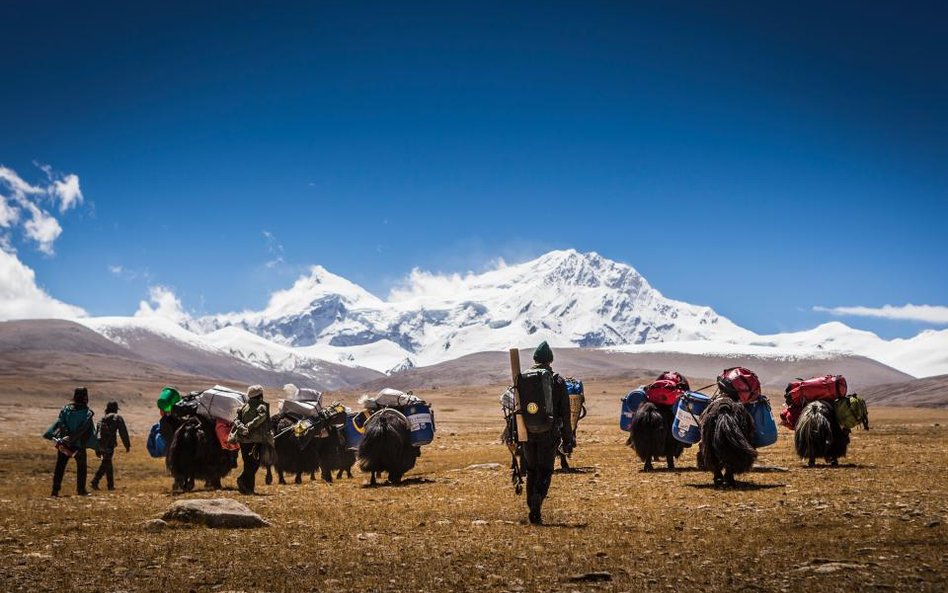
(386, 447)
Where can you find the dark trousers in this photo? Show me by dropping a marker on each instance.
(539, 453)
(60, 471)
(247, 478)
(105, 469)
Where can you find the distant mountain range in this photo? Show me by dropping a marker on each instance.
(332, 333)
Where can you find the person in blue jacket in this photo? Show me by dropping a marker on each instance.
(73, 432)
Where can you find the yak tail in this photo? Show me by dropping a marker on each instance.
(648, 431)
(382, 439)
(813, 436)
(732, 446)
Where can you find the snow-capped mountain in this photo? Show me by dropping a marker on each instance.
(324, 323)
(568, 298)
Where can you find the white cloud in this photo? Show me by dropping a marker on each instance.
(22, 206)
(68, 192)
(42, 228)
(21, 298)
(937, 314)
(116, 270)
(164, 304)
(9, 214)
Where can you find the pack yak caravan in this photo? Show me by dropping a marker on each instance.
(198, 437)
(666, 416)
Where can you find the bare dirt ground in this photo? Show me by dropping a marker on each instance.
(876, 523)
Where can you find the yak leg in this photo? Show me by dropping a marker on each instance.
(269, 477)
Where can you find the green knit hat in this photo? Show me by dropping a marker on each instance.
(543, 354)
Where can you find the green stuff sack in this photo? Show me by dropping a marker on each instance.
(168, 398)
(852, 411)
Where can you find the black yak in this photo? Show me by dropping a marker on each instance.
(385, 446)
(726, 448)
(818, 434)
(652, 434)
(195, 453)
(297, 448)
(334, 455)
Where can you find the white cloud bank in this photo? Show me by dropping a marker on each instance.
(23, 210)
(163, 303)
(21, 298)
(937, 314)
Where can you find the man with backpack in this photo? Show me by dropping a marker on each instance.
(110, 428)
(72, 432)
(544, 405)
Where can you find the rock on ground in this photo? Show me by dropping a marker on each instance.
(214, 512)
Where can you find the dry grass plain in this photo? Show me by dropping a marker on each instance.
(877, 523)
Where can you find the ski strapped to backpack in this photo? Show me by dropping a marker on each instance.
(535, 388)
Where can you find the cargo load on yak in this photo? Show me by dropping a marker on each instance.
(168, 398)
(630, 403)
(220, 402)
(298, 409)
(851, 411)
(803, 391)
(677, 378)
(790, 416)
(739, 384)
(388, 398)
(663, 392)
(303, 394)
(416, 410)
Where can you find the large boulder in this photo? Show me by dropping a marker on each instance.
(214, 512)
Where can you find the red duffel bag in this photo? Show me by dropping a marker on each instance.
(663, 391)
(790, 415)
(222, 430)
(803, 391)
(677, 378)
(739, 384)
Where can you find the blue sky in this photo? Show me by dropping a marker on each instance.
(762, 160)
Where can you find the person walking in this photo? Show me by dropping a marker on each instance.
(73, 432)
(111, 427)
(252, 431)
(544, 403)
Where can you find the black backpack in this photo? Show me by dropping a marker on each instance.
(536, 399)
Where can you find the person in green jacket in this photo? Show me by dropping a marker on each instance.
(252, 430)
(73, 433)
(110, 428)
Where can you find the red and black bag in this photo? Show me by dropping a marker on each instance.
(663, 391)
(804, 391)
(678, 378)
(739, 384)
(790, 416)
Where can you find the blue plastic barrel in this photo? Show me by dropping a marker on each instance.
(155, 443)
(355, 428)
(630, 403)
(420, 424)
(765, 429)
(574, 386)
(685, 427)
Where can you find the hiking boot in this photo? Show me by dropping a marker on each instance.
(535, 518)
(95, 485)
(54, 494)
(82, 493)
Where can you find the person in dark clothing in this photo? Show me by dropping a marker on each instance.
(73, 432)
(539, 451)
(252, 430)
(110, 428)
